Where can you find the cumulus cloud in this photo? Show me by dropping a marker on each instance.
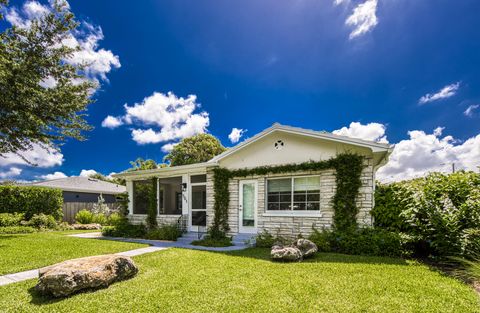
(170, 118)
(55, 175)
(112, 122)
(236, 134)
(10, 173)
(87, 173)
(98, 61)
(169, 147)
(339, 2)
(41, 156)
(363, 18)
(470, 111)
(423, 153)
(446, 92)
(370, 131)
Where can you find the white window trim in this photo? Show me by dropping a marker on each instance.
(291, 212)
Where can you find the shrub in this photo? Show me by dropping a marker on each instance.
(470, 243)
(31, 200)
(267, 240)
(321, 239)
(10, 219)
(387, 210)
(213, 242)
(164, 232)
(437, 211)
(125, 229)
(365, 241)
(17, 230)
(42, 221)
(84, 217)
(115, 219)
(100, 219)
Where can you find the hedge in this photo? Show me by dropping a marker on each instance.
(31, 200)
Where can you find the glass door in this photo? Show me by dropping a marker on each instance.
(248, 206)
(198, 220)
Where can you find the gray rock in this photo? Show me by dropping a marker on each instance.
(307, 247)
(287, 253)
(68, 277)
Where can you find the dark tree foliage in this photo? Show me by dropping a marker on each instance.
(31, 112)
(195, 149)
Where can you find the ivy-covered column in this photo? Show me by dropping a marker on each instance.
(152, 205)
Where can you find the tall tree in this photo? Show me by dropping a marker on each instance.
(33, 111)
(195, 149)
(141, 164)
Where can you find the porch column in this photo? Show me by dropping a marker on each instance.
(130, 196)
(185, 194)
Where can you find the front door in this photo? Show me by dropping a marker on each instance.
(248, 206)
(198, 216)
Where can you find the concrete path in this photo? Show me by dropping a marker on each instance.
(160, 243)
(21, 276)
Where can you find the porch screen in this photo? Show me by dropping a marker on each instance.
(141, 191)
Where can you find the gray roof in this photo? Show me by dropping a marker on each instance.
(82, 184)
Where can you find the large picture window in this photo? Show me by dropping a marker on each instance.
(293, 194)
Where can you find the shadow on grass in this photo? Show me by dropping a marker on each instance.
(41, 299)
(264, 254)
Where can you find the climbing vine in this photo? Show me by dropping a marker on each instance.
(152, 205)
(348, 168)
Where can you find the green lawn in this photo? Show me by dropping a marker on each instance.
(178, 280)
(28, 251)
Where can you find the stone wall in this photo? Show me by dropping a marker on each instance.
(291, 226)
(161, 219)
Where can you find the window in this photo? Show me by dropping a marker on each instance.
(295, 193)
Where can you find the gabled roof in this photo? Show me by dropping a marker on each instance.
(374, 146)
(82, 184)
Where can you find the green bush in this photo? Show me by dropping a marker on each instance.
(115, 219)
(470, 243)
(434, 212)
(11, 219)
(164, 232)
(84, 217)
(213, 242)
(42, 221)
(322, 240)
(17, 230)
(100, 219)
(267, 240)
(125, 229)
(31, 200)
(364, 241)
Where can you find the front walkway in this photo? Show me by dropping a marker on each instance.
(164, 244)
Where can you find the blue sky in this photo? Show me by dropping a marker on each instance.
(319, 64)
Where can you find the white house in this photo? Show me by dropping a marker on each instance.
(285, 203)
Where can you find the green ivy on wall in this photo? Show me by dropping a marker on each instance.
(152, 205)
(348, 169)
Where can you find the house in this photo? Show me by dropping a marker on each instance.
(83, 189)
(284, 203)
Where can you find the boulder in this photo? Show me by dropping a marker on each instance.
(307, 247)
(71, 276)
(286, 253)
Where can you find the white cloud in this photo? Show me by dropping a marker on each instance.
(55, 175)
(339, 2)
(169, 147)
(112, 122)
(446, 92)
(87, 173)
(470, 111)
(370, 131)
(236, 134)
(171, 117)
(423, 153)
(38, 155)
(363, 17)
(12, 172)
(110, 176)
(98, 62)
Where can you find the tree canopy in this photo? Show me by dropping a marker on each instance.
(43, 97)
(195, 149)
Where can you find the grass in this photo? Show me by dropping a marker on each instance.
(180, 280)
(20, 252)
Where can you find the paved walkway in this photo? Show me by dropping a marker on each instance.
(155, 245)
(160, 243)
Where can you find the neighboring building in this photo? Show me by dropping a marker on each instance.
(83, 189)
(289, 203)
